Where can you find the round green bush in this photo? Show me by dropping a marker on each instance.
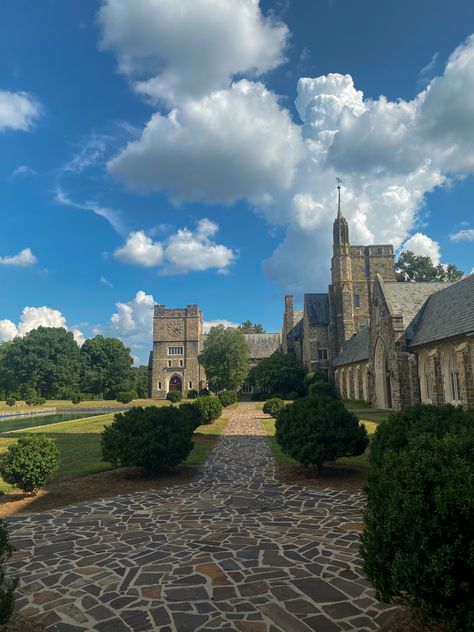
(395, 433)
(317, 430)
(7, 586)
(125, 397)
(204, 392)
(192, 394)
(11, 401)
(273, 406)
(320, 388)
(154, 438)
(193, 414)
(174, 396)
(210, 407)
(29, 463)
(228, 398)
(418, 540)
(76, 399)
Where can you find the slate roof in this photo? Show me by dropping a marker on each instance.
(355, 349)
(406, 299)
(317, 308)
(262, 345)
(448, 313)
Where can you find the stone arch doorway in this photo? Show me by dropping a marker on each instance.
(176, 384)
(383, 379)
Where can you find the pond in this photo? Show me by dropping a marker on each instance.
(31, 421)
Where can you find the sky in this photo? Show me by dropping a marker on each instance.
(186, 151)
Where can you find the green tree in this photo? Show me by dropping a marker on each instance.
(46, 360)
(248, 327)
(279, 373)
(139, 380)
(225, 358)
(411, 267)
(106, 367)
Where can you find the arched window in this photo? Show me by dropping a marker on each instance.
(425, 378)
(450, 375)
(383, 377)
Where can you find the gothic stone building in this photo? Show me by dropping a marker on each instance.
(389, 343)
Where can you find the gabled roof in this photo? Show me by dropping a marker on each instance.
(448, 313)
(406, 299)
(317, 309)
(355, 349)
(262, 345)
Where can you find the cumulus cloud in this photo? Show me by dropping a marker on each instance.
(423, 246)
(140, 250)
(234, 143)
(208, 324)
(466, 234)
(175, 49)
(183, 251)
(18, 110)
(34, 317)
(23, 259)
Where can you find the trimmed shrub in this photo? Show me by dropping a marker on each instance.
(418, 544)
(291, 396)
(124, 397)
(395, 433)
(11, 401)
(228, 398)
(193, 394)
(204, 392)
(29, 463)
(273, 406)
(317, 430)
(260, 397)
(193, 414)
(210, 407)
(7, 586)
(154, 438)
(35, 401)
(76, 399)
(174, 396)
(323, 389)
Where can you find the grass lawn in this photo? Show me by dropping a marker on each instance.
(66, 403)
(79, 444)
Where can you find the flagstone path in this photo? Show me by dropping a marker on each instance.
(233, 550)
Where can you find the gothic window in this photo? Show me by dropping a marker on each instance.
(175, 350)
(322, 354)
(450, 374)
(181, 363)
(190, 385)
(424, 377)
(356, 300)
(169, 363)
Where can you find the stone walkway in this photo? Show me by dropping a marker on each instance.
(233, 550)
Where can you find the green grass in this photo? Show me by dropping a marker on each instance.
(66, 403)
(79, 444)
(376, 417)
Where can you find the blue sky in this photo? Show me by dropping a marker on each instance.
(150, 154)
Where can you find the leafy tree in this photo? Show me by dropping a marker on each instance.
(315, 430)
(225, 358)
(139, 380)
(411, 267)
(106, 366)
(155, 438)
(29, 463)
(248, 327)
(279, 373)
(46, 360)
(417, 544)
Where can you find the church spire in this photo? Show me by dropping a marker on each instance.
(339, 212)
(340, 228)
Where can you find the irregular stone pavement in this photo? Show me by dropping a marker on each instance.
(233, 550)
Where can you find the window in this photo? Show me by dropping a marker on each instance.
(169, 363)
(356, 300)
(181, 363)
(246, 388)
(190, 385)
(159, 386)
(175, 350)
(322, 354)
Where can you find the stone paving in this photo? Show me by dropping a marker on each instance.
(233, 550)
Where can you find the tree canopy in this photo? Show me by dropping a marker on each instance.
(279, 373)
(248, 327)
(225, 358)
(107, 366)
(411, 267)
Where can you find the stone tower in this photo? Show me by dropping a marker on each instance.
(353, 271)
(177, 335)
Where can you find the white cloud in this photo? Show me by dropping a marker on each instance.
(34, 317)
(182, 252)
(112, 216)
(207, 324)
(18, 110)
(23, 170)
(423, 246)
(91, 152)
(232, 144)
(23, 259)
(140, 250)
(182, 49)
(105, 281)
(467, 234)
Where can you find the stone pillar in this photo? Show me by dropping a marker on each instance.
(437, 391)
